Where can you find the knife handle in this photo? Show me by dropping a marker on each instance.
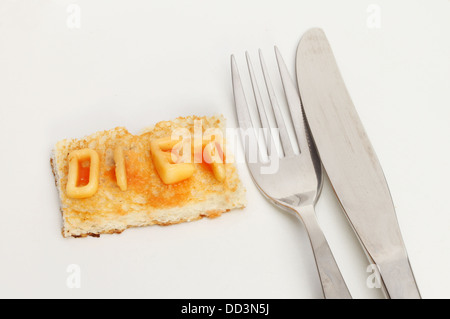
(333, 283)
(398, 278)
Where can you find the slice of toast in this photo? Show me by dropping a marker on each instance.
(147, 200)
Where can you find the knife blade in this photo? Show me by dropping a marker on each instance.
(351, 163)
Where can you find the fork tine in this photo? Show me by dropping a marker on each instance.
(284, 136)
(294, 103)
(243, 115)
(260, 106)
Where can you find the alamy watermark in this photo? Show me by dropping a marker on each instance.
(374, 16)
(73, 280)
(212, 144)
(374, 279)
(73, 20)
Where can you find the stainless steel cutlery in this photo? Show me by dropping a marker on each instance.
(351, 163)
(329, 134)
(295, 184)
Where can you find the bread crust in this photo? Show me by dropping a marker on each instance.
(83, 220)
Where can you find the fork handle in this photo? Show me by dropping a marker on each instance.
(333, 283)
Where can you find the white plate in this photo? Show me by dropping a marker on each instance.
(123, 64)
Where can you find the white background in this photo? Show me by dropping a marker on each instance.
(133, 63)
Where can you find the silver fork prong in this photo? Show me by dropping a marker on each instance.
(294, 103)
(244, 119)
(260, 106)
(284, 136)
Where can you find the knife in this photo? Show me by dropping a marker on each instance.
(351, 164)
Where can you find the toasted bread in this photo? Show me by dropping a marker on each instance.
(147, 200)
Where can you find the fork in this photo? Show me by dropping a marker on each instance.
(296, 183)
